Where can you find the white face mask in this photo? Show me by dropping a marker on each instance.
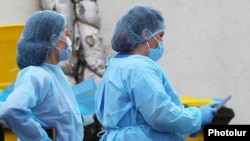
(65, 54)
(156, 53)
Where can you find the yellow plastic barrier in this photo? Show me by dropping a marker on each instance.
(194, 101)
(9, 35)
(9, 135)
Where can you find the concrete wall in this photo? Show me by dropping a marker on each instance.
(207, 44)
(17, 11)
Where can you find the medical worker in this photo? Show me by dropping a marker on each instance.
(42, 96)
(135, 100)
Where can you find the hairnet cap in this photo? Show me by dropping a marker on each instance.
(129, 28)
(35, 43)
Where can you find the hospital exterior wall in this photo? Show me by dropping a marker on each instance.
(207, 44)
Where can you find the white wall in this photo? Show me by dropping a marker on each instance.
(206, 44)
(17, 11)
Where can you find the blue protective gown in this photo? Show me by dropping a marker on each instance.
(135, 101)
(42, 97)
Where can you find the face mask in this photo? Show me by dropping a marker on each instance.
(65, 54)
(156, 53)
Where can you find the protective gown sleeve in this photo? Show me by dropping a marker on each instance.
(16, 111)
(161, 107)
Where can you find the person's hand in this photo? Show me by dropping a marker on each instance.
(208, 112)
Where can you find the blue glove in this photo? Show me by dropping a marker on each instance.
(208, 112)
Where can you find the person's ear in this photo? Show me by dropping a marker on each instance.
(53, 40)
(145, 34)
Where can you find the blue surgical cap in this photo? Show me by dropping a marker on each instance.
(129, 29)
(35, 42)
